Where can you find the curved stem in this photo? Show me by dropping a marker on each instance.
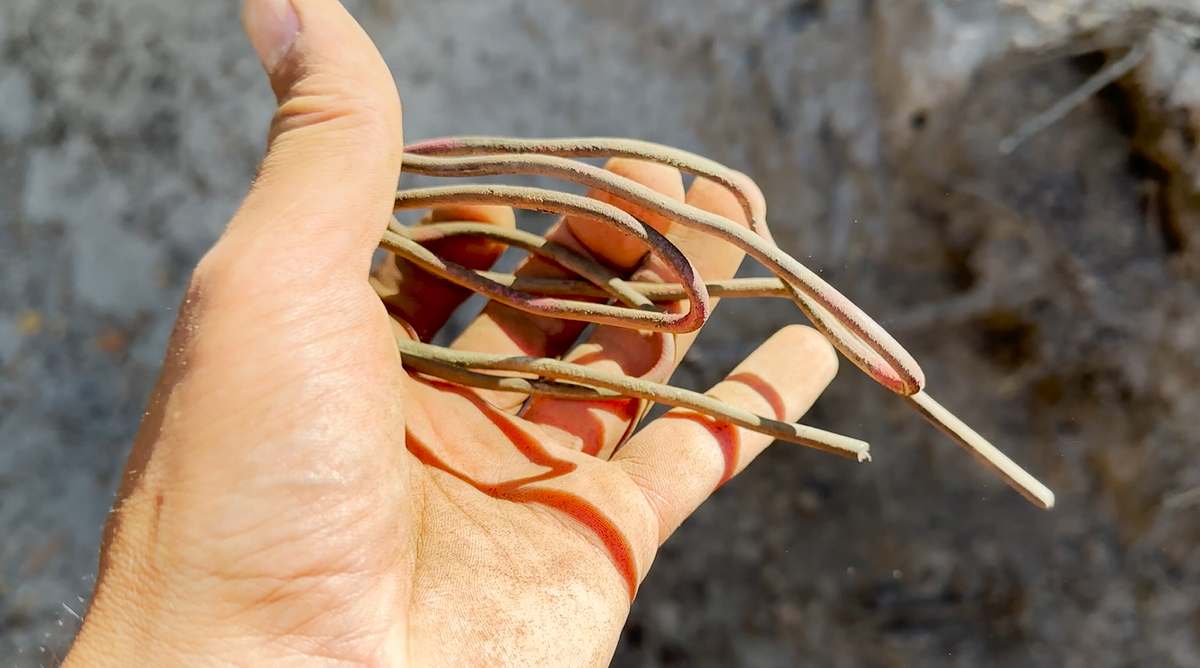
(847, 327)
(866, 344)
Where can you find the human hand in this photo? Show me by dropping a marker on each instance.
(295, 498)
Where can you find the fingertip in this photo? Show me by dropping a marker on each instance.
(325, 189)
(679, 459)
(663, 178)
(812, 346)
(333, 71)
(272, 26)
(798, 362)
(713, 197)
(660, 178)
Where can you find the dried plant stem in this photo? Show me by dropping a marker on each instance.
(636, 304)
(985, 452)
(655, 292)
(1066, 105)
(435, 359)
(866, 344)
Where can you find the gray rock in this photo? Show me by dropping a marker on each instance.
(1051, 294)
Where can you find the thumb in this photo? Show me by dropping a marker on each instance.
(325, 190)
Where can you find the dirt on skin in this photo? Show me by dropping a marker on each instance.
(1051, 295)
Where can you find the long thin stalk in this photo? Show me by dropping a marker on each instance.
(641, 304)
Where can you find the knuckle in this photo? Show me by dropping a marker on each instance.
(206, 272)
(218, 275)
(321, 102)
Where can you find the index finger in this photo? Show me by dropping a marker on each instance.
(680, 459)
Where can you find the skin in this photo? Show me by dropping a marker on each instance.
(295, 498)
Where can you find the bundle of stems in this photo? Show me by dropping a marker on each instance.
(653, 307)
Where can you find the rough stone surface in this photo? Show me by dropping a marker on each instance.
(1051, 294)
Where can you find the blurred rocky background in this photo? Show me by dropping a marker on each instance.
(1052, 294)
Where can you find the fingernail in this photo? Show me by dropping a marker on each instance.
(272, 26)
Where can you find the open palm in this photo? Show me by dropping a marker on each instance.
(295, 497)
